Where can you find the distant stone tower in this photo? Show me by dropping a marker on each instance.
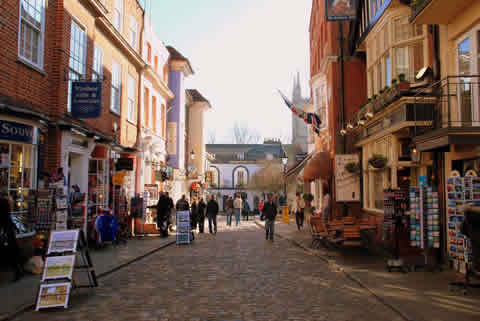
(299, 127)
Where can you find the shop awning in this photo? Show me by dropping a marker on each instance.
(295, 170)
(318, 167)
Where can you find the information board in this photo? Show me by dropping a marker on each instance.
(63, 241)
(347, 184)
(183, 227)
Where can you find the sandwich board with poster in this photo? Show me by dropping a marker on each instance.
(183, 227)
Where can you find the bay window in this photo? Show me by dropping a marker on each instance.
(32, 31)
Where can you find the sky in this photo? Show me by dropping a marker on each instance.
(242, 51)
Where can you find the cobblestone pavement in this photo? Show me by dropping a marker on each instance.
(235, 275)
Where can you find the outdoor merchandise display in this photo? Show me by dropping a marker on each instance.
(67, 253)
(184, 234)
(460, 191)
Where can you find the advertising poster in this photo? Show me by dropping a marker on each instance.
(58, 267)
(347, 184)
(340, 10)
(53, 295)
(63, 241)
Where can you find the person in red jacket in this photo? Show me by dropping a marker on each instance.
(260, 208)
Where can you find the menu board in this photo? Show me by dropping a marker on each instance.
(183, 227)
(347, 184)
(53, 295)
(58, 267)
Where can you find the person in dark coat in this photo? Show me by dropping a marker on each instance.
(201, 215)
(9, 251)
(270, 213)
(194, 214)
(171, 207)
(163, 211)
(212, 211)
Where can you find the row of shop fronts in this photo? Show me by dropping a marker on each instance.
(411, 118)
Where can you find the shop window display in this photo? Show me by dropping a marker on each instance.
(16, 181)
(97, 187)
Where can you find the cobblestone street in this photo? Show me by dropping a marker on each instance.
(235, 275)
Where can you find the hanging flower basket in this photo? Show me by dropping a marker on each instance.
(378, 161)
(352, 167)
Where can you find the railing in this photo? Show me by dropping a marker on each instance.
(457, 102)
(417, 7)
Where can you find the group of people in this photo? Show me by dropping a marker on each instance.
(198, 211)
(299, 208)
(236, 207)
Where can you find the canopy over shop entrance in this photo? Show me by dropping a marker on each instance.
(318, 167)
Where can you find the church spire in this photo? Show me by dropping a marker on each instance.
(297, 89)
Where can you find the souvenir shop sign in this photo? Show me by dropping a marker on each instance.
(124, 164)
(347, 184)
(86, 99)
(340, 10)
(16, 131)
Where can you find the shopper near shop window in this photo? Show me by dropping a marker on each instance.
(163, 210)
(201, 215)
(9, 251)
(194, 214)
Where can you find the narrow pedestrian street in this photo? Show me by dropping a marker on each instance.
(235, 275)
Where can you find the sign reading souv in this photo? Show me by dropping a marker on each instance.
(15, 131)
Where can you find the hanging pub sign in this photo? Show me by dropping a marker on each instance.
(340, 10)
(86, 99)
(124, 164)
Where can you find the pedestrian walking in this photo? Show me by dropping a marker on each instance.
(194, 214)
(270, 213)
(246, 208)
(163, 211)
(201, 215)
(299, 211)
(229, 210)
(212, 211)
(238, 206)
(260, 209)
(9, 251)
(171, 208)
(326, 209)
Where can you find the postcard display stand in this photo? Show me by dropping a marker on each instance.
(67, 254)
(460, 191)
(424, 221)
(395, 207)
(184, 235)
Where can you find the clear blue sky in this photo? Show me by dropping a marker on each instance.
(241, 51)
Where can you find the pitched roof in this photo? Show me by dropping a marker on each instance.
(197, 96)
(176, 55)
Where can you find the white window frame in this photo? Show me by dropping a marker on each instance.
(132, 99)
(97, 72)
(473, 35)
(116, 87)
(133, 32)
(76, 68)
(118, 14)
(41, 31)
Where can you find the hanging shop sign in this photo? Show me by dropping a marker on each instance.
(118, 178)
(209, 177)
(86, 99)
(16, 131)
(124, 164)
(340, 10)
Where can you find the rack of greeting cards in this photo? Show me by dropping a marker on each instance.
(395, 206)
(461, 191)
(425, 222)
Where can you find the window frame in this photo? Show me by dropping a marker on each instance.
(118, 8)
(74, 74)
(41, 41)
(115, 87)
(97, 68)
(132, 99)
(133, 34)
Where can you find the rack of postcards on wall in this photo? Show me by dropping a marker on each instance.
(460, 191)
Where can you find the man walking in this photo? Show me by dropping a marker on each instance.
(246, 208)
(238, 206)
(163, 210)
(229, 210)
(201, 215)
(270, 212)
(212, 211)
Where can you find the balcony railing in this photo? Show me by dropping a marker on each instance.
(457, 102)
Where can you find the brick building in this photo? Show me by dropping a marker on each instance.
(48, 45)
